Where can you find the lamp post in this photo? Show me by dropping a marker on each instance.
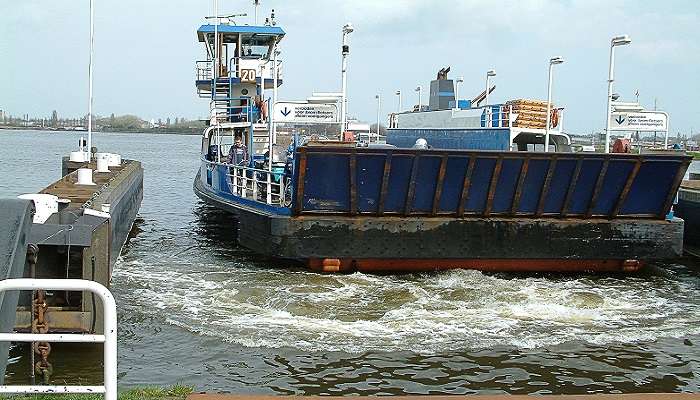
(460, 80)
(347, 29)
(489, 74)
(552, 62)
(420, 97)
(616, 41)
(379, 107)
(398, 93)
(92, 45)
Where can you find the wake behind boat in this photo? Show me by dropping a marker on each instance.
(455, 184)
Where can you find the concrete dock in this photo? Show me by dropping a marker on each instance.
(82, 240)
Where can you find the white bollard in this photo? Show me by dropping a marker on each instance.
(85, 177)
(102, 165)
(115, 160)
(78, 156)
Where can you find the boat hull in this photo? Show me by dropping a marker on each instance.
(336, 243)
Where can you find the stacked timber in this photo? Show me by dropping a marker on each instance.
(531, 113)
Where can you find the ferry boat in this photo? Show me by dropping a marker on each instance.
(455, 185)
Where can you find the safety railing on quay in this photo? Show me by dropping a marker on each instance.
(109, 338)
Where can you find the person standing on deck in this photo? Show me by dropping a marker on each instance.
(238, 153)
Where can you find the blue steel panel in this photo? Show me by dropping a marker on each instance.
(452, 185)
(464, 139)
(327, 182)
(481, 178)
(532, 186)
(398, 183)
(559, 186)
(327, 187)
(507, 181)
(614, 182)
(369, 181)
(426, 183)
(581, 198)
(650, 188)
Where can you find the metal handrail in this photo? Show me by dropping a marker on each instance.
(234, 73)
(248, 185)
(227, 111)
(109, 338)
(204, 70)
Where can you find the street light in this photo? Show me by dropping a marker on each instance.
(398, 93)
(489, 74)
(459, 80)
(379, 107)
(552, 62)
(616, 41)
(420, 97)
(347, 29)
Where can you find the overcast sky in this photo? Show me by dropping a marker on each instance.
(145, 53)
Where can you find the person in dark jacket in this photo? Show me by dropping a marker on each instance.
(238, 153)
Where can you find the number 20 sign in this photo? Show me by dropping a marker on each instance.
(247, 75)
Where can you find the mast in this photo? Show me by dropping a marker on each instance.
(92, 42)
(256, 3)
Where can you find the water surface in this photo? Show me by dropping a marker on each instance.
(195, 308)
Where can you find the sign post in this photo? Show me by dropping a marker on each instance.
(641, 121)
(305, 112)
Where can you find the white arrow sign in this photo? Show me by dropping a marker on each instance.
(305, 112)
(644, 121)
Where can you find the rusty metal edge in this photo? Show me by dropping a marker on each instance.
(626, 189)
(572, 188)
(597, 188)
(545, 186)
(352, 165)
(300, 181)
(466, 185)
(385, 183)
(519, 188)
(440, 181)
(411, 185)
(492, 186)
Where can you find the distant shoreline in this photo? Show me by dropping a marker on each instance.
(59, 131)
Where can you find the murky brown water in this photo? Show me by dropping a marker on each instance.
(196, 309)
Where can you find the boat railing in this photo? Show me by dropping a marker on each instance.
(237, 68)
(225, 111)
(258, 184)
(204, 70)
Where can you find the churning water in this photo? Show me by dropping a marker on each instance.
(195, 308)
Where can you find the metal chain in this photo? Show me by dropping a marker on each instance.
(43, 367)
(32, 258)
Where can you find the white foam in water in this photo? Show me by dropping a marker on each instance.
(457, 310)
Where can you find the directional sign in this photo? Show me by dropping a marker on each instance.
(305, 112)
(643, 121)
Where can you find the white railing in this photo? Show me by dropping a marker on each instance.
(204, 70)
(261, 71)
(258, 184)
(504, 119)
(109, 338)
